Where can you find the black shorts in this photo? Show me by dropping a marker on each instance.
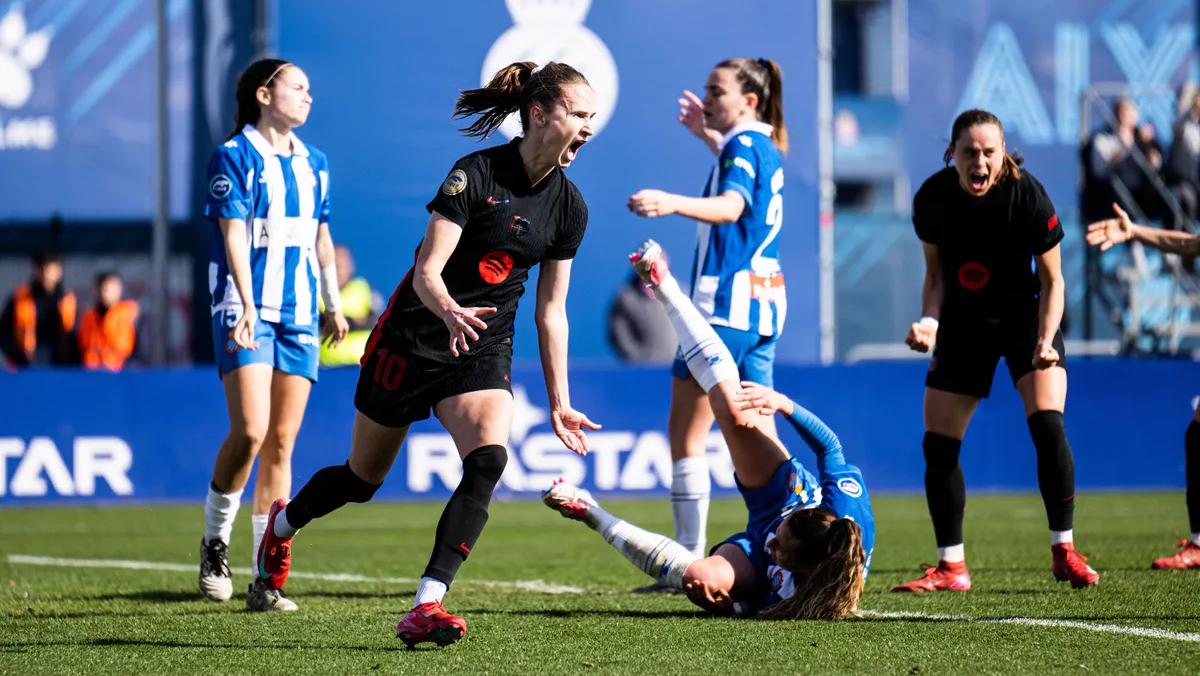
(965, 356)
(396, 389)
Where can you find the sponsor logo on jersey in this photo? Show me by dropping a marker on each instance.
(455, 183)
(220, 186)
(973, 276)
(850, 487)
(495, 266)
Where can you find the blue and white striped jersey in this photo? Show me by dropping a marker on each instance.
(736, 279)
(282, 199)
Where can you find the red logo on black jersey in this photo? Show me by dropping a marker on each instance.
(973, 276)
(519, 226)
(495, 266)
(1052, 222)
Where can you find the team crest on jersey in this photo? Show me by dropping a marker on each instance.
(455, 183)
(973, 276)
(796, 486)
(519, 226)
(850, 487)
(220, 186)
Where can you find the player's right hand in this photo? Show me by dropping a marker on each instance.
(1111, 231)
(716, 601)
(243, 331)
(691, 115)
(462, 322)
(921, 337)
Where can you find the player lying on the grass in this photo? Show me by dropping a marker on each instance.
(806, 550)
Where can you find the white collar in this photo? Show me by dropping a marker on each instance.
(265, 149)
(760, 127)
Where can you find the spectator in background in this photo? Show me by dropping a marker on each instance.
(1111, 160)
(108, 331)
(360, 305)
(37, 324)
(1182, 171)
(638, 327)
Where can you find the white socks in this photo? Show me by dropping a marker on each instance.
(283, 529)
(656, 555)
(220, 509)
(1061, 537)
(709, 361)
(259, 524)
(952, 554)
(691, 485)
(429, 591)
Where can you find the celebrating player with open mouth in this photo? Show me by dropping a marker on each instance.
(981, 221)
(806, 550)
(444, 343)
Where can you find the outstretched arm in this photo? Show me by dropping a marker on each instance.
(1112, 231)
(819, 437)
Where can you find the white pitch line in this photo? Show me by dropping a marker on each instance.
(1036, 622)
(524, 585)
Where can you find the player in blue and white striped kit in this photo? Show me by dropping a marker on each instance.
(736, 280)
(806, 550)
(267, 195)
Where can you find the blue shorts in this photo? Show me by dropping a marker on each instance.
(752, 352)
(286, 347)
(792, 487)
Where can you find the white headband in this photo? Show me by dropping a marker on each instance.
(534, 71)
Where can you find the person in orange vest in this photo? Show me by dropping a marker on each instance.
(108, 331)
(38, 323)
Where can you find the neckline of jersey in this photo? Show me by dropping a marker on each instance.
(518, 166)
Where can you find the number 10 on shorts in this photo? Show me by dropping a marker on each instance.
(389, 369)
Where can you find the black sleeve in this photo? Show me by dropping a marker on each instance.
(459, 194)
(1037, 216)
(570, 233)
(923, 217)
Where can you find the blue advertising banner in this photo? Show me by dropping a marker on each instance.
(385, 76)
(1029, 63)
(75, 437)
(78, 113)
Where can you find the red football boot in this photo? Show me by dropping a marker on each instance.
(430, 623)
(942, 577)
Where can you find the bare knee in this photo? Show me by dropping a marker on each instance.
(713, 571)
(247, 439)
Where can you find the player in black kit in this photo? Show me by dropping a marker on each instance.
(980, 222)
(444, 343)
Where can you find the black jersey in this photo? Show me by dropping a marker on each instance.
(986, 244)
(508, 227)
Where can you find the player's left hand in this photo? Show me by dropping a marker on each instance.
(1112, 231)
(716, 601)
(569, 425)
(652, 203)
(765, 400)
(1044, 356)
(334, 328)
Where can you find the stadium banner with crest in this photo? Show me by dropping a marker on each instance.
(385, 76)
(76, 437)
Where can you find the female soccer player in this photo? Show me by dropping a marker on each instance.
(980, 222)
(1106, 234)
(736, 281)
(806, 550)
(268, 198)
(500, 211)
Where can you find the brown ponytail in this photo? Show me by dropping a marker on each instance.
(975, 118)
(261, 73)
(514, 88)
(764, 79)
(828, 571)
